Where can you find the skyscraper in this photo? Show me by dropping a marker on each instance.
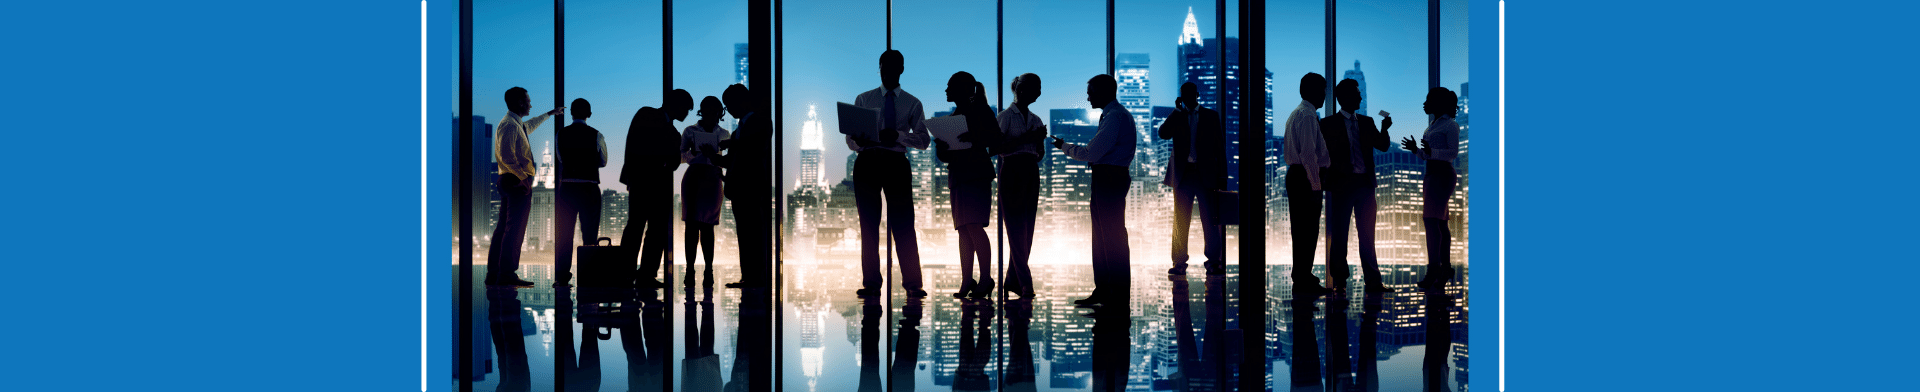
(811, 146)
(1131, 73)
(1200, 63)
(1066, 182)
(1358, 76)
(740, 63)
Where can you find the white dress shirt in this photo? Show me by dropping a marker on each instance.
(1304, 145)
(1442, 139)
(1017, 123)
(1113, 143)
(690, 153)
(908, 116)
(510, 147)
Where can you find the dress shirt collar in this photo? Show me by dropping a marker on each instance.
(1350, 114)
(1112, 106)
(580, 121)
(1304, 104)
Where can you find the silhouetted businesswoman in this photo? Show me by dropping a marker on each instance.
(1439, 145)
(700, 188)
(1351, 141)
(583, 151)
(1197, 171)
(515, 162)
(1020, 155)
(970, 182)
(882, 171)
(1306, 153)
(749, 164)
(1110, 151)
(651, 157)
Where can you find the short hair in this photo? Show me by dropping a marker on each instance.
(711, 107)
(893, 57)
(580, 108)
(965, 80)
(1441, 95)
(1189, 87)
(1313, 85)
(680, 99)
(1024, 79)
(736, 97)
(515, 96)
(1104, 82)
(1347, 89)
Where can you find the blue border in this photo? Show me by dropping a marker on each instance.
(1483, 202)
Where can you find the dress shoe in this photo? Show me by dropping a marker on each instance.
(916, 293)
(1377, 287)
(1085, 302)
(966, 287)
(1178, 269)
(1309, 288)
(867, 292)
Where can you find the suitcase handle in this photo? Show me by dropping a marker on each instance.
(608, 335)
(609, 241)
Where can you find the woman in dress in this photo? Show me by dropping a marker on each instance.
(700, 190)
(970, 181)
(1439, 145)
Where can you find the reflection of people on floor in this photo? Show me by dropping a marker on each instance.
(1020, 155)
(1368, 374)
(749, 163)
(651, 157)
(1306, 153)
(1188, 357)
(515, 162)
(1304, 364)
(1433, 367)
(1439, 145)
(906, 347)
(1110, 152)
(1197, 171)
(881, 171)
(870, 345)
(700, 187)
(700, 371)
(976, 336)
(970, 182)
(582, 374)
(1216, 365)
(1020, 370)
(1351, 139)
(1339, 351)
(753, 344)
(1112, 346)
(509, 337)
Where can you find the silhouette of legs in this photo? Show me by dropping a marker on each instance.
(1303, 214)
(885, 174)
(1111, 273)
(579, 201)
(509, 233)
(1019, 204)
(699, 237)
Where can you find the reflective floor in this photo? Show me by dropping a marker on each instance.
(1176, 334)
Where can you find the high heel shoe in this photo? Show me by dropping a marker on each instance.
(984, 289)
(965, 288)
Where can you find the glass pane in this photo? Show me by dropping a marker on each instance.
(513, 47)
(835, 341)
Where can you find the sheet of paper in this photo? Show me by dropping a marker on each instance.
(949, 129)
(859, 122)
(706, 140)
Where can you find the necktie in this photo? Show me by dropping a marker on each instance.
(886, 111)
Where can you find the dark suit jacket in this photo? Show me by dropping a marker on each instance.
(1210, 170)
(1334, 130)
(579, 148)
(749, 163)
(653, 147)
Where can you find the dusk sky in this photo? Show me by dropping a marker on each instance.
(832, 49)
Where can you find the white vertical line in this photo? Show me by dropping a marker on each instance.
(423, 195)
(1503, 196)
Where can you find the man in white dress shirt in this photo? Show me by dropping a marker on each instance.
(1110, 152)
(1306, 154)
(515, 162)
(882, 171)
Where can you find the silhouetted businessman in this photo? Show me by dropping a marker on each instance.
(583, 151)
(970, 182)
(1110, 151)
(1306, 153)
(1351, 140)
(1020, 154)
(1439, 145)
(882, 171)
(749, 163)
(1198, 170)
(515, 162)
(653, 153)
